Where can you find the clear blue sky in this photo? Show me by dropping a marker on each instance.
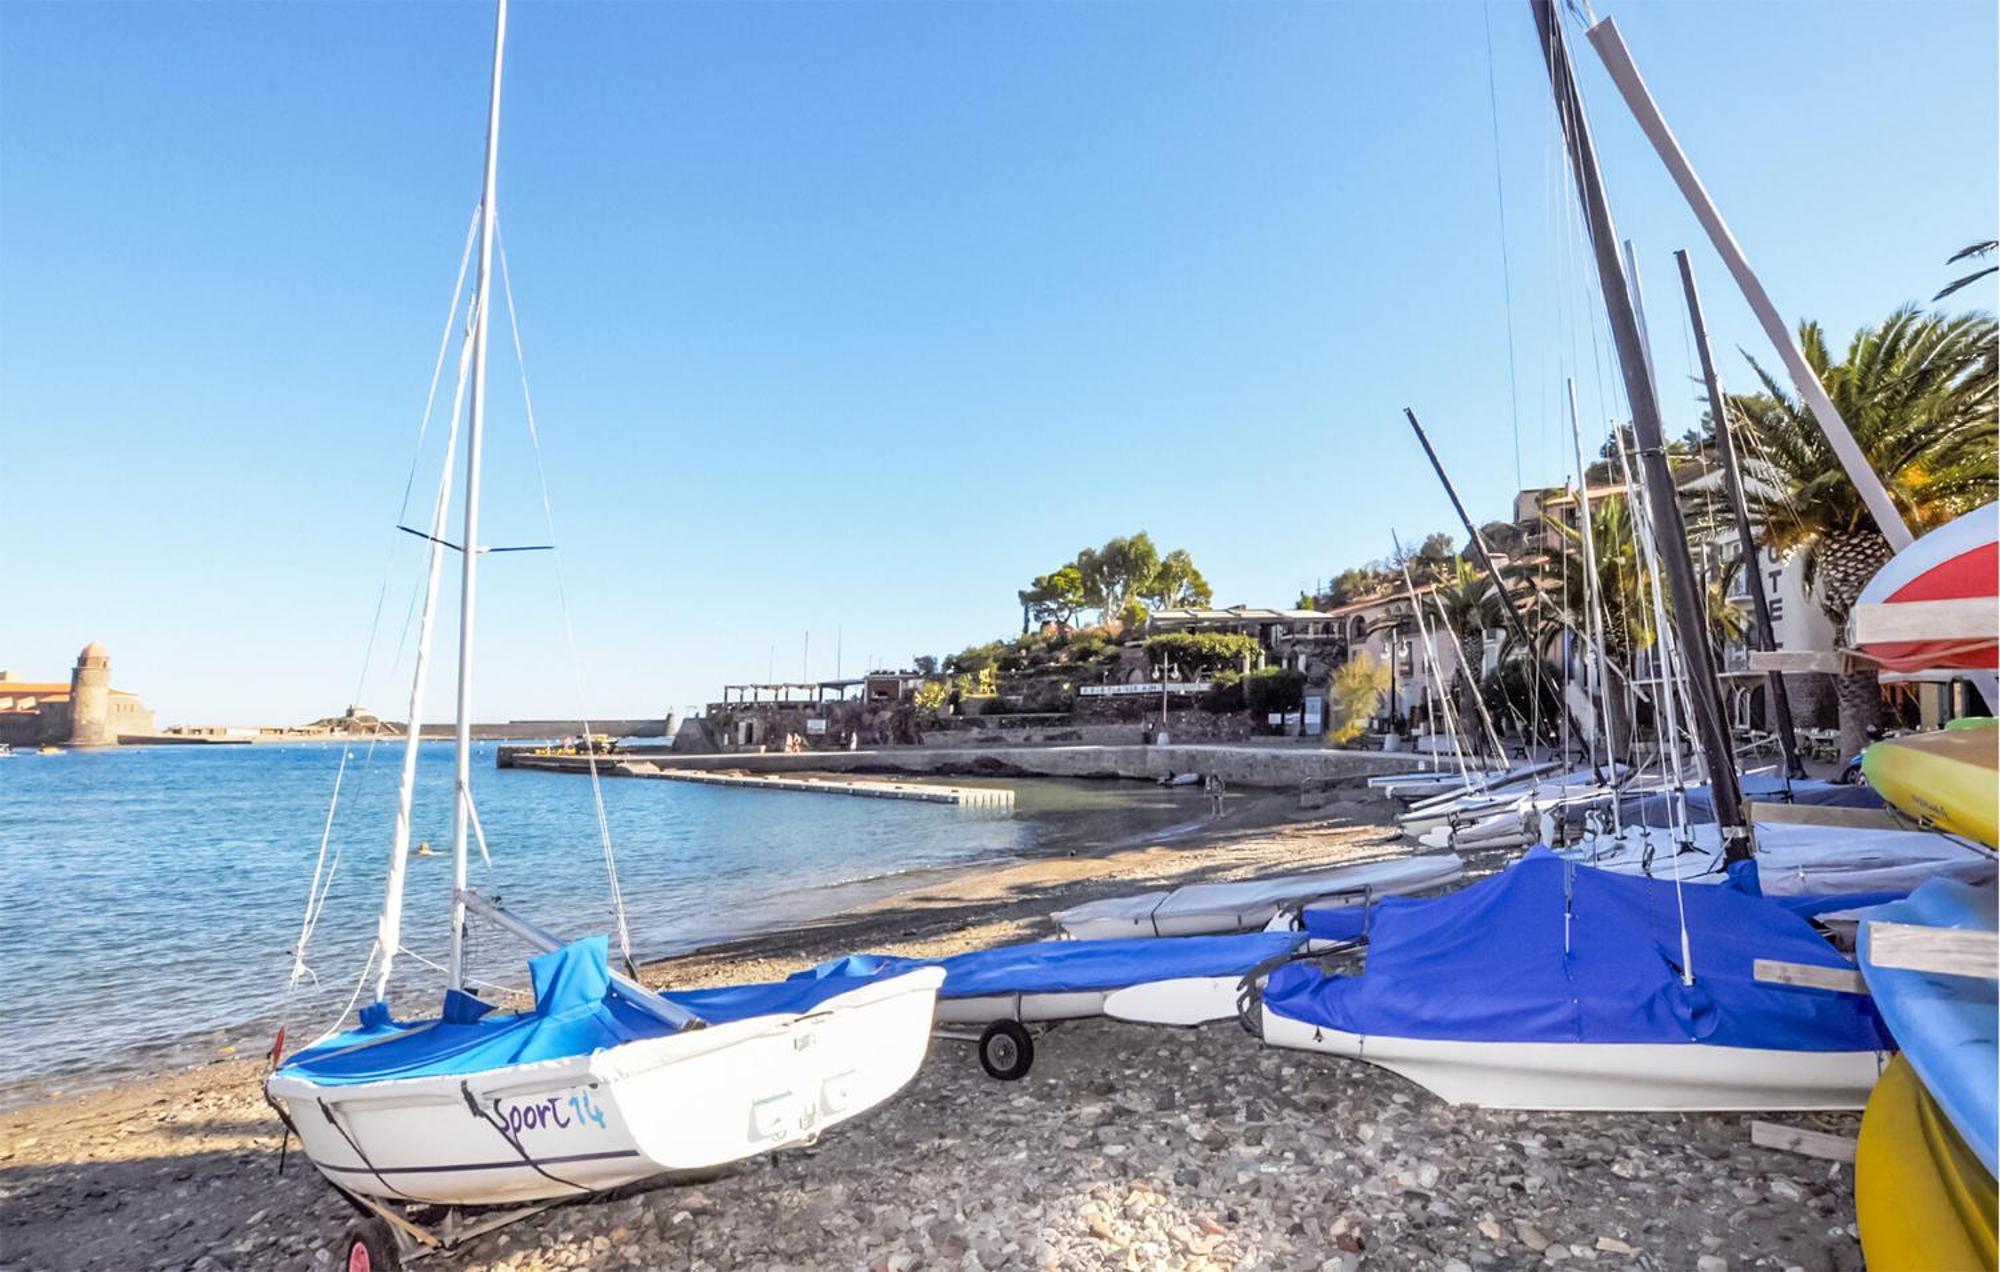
(856, 316)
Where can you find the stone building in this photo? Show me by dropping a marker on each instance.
(86, 711)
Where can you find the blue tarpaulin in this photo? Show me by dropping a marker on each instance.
(1059, 967)
(1552, 951)
(577, 1010)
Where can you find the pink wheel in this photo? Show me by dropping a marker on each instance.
(371, 1247)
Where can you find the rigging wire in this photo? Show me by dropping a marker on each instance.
(1506, 268)
(569, 626)
(325, 869)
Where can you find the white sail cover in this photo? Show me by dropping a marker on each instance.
(1798, 859)
(1206, 908)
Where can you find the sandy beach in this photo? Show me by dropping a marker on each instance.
(1127, 1147)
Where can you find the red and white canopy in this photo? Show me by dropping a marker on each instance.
(1937, 603)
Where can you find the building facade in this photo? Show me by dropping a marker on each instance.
(85, 711)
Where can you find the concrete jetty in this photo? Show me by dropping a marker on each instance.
(921, 792)
(1276, 766)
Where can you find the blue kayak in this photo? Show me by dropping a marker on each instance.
(1945, 1025)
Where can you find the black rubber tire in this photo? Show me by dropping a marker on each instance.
(1006, 1051)
(369, 1245)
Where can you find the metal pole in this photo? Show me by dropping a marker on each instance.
(1618, 62)
(469, 549)
(1732, 482)
(1670, 533)
(1595, 679)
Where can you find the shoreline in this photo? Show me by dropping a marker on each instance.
(855, 914)
(1126, 1146)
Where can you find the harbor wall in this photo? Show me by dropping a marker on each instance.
(1260, 766)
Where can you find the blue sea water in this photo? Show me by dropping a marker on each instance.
(150, 897)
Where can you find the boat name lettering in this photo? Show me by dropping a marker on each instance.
(554, 1113)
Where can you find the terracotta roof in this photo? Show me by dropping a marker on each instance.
(45, 691)
(34, 688)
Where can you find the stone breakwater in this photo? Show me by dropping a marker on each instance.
(1239, 765)
(1126, 1147)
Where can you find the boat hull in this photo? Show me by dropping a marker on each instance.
(1922, 1197)
(688, 1101)
(1210, 909)
(1602, 1077)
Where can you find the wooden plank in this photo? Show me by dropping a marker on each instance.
(1769, 811)
(1949, 951)
(1809, 976)
(1796, 1139)
(1797, 660)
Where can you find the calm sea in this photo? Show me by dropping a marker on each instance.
(150, 897)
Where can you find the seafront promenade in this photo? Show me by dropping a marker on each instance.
(1263, 765)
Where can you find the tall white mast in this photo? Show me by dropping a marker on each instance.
(1597, 681)
(389, 928)
(469, 551)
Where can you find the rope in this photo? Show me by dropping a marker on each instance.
(569, 626)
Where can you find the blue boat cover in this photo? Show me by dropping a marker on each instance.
(1350, 922)
(1654, 808)
(1946, 1025)
(1335, 922)
(578, 1010)
(1059, 967)
(1552, 951)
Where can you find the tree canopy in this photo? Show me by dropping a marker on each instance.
(1122, 580)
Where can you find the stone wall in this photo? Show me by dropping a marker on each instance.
(1278, 766)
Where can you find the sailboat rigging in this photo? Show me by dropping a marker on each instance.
(602, 1081)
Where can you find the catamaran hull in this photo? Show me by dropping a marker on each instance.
(688, 1101)
(1603, 1077)
(1182, 1000)
(1210, 909)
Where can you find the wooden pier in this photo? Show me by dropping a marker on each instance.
(863, 788)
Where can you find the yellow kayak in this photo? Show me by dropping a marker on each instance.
(1946, 779)
(1923, 1200)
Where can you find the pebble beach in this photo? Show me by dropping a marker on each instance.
(1125, 1147)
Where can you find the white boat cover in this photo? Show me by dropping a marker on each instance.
(1201, 909)
(1798, 859)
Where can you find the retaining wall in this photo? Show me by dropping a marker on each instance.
(1263, 766)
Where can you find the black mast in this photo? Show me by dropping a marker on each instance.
(1732, 482)
(1474, 540)
(1670, 532)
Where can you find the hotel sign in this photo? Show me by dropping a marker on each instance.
(1151, 687)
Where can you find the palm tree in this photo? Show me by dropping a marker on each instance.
(1918, 392)
(1621, 579)
(1984, 247)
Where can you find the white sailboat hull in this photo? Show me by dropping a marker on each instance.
(1210, 909)
(1603, 1077)
(1799, 860)
(692, 1100)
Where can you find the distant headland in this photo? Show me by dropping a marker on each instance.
(86, 712)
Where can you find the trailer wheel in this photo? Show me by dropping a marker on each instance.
(1006, 1051)
(371, 1247)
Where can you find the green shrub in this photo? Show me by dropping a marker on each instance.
(1225, 694)
(1203, 653)
(1274, 689)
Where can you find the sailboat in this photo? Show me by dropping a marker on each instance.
(602, 1081)
(1552, 985)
